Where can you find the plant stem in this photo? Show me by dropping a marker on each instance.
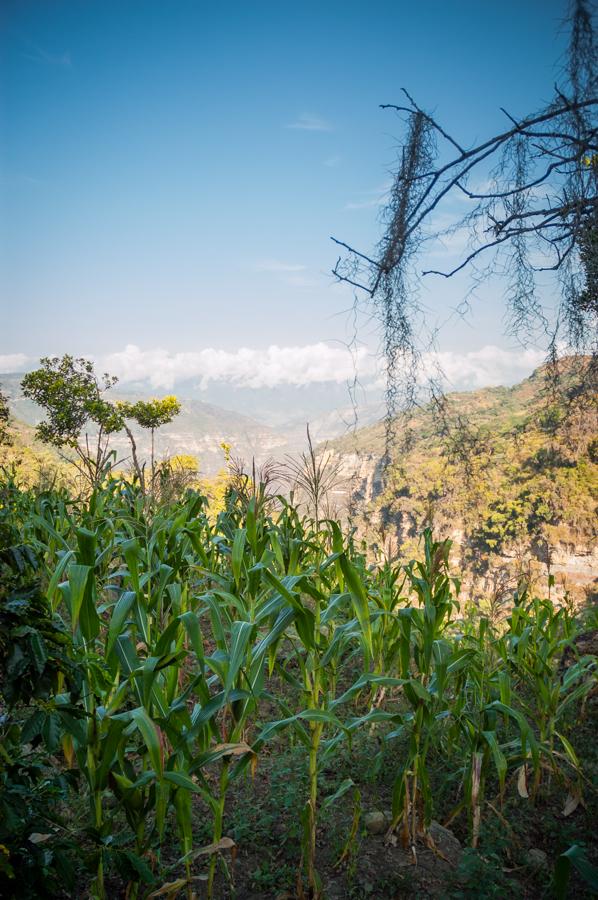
(97, 808)
(316, 731)
(218, 821)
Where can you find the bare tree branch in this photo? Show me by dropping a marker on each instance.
(511, 221)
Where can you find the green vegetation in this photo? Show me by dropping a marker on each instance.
(150, 414)
(4, 420)
(199, 704)
(506, 472)
(81, 419)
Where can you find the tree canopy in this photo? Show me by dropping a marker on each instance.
(4, 420)
(77, 414)
(80, 418)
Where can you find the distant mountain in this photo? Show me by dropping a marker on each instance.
(510, 474)
(35, 462)
(270, 430)
(199, 430)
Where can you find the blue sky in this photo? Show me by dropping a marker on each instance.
(171, 171)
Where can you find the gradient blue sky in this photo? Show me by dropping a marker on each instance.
(172, 171)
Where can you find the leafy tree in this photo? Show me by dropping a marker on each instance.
(77, 415)
(150, 414)
(4, 420)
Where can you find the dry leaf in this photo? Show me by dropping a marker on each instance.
(571, 804)
(224, 843)
(233, 749)
(522, 781)
(171, 887)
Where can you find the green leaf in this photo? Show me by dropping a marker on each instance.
(33, 726)
(132, 553)
(360, 605)
(74, 591)
(239, 640)
(322, 716)
(87, 541)
(251, 524)
(500, 760)
(419, 690)
(569, 750)
(183, 781)
(139, 865)
(575, 856)
(274, 727)
(119, 615)
(346, 785)
(237, 554)
(108, 751)
(57, 575)
(51, 732)
(151, 737)
(191, 622)
(38, 651)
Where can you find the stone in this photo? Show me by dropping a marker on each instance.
(445, 841)
(536, 858)
(375, 822)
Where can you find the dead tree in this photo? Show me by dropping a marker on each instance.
(533, 207)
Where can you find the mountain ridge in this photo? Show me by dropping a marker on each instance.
(510, 474)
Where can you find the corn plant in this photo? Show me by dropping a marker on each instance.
(425, 664)
(533, 649)
(323, 631)
(481, 712)
(132, 658)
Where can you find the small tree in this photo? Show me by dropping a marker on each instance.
(5, 438)
(150, 414)
(77, 415)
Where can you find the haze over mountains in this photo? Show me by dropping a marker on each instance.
(270, 421)
(273, 423)
(530, 476)
(260, 400)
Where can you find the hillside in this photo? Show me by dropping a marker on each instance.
(509, 473)
(199, 430)
(38, 465)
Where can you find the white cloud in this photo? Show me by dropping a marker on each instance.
(488, 367)
(309, 122)
(246, 367)
(313, 364)
(278, 267)
(375, 197)
(13, 362)
(365, 204)
(301, 366)
(39, 55)
(292, 274)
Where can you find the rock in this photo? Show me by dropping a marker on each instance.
(536, 858)
(109, 800)
(445, 841)
(375, 822)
